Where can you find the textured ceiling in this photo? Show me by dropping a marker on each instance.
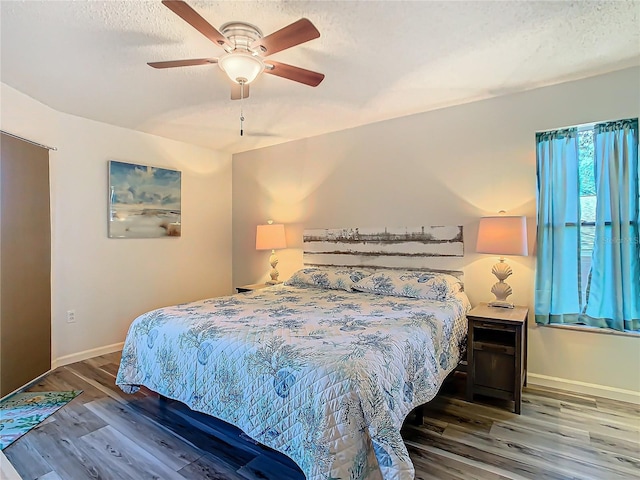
(382, 59)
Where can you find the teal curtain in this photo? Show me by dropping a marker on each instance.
(613, 292)
(558, 298)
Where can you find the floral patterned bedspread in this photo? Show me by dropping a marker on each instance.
(326, 377)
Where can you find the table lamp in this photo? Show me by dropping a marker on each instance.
(502, 235)
(270, 237)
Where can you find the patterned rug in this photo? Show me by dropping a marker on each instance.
(20, 412)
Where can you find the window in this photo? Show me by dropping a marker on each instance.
(588, 263)
(587, 186)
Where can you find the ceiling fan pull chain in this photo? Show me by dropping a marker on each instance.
(241, 101)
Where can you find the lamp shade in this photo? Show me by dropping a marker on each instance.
(270, 237)
(241, 67)
(503, 235)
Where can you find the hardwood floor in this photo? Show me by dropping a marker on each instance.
(106, 434)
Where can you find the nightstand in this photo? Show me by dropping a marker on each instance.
(251, 288)
(497, 353)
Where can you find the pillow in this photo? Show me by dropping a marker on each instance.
(427, 285)
(335, 278)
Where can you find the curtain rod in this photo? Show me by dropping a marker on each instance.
(29, 141)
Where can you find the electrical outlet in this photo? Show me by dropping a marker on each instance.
(71, 316)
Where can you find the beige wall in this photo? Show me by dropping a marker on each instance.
(449, 166)
(110, 281)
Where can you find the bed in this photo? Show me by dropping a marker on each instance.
(312, 368)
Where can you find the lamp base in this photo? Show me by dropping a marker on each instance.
(500, 289)
(501, 304)
(273, 261)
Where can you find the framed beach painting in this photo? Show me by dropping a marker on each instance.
(144, 201)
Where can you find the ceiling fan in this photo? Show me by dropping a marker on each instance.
(245, 49)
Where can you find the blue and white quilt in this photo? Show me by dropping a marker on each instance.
(326, 377)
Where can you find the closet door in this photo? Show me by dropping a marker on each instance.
(25, 263)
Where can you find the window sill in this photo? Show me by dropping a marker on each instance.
(586, 328)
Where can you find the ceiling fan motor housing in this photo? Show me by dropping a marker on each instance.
(241, 35)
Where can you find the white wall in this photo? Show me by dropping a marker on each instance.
(108, 282)
(449, 166)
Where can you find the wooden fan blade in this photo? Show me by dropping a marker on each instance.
(183, 63)
(296, 74)
(193, 18)
(287, 37)
(237, 93)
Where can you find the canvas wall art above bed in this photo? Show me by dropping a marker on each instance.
(144, 201)
(437, 247)
(323, 368)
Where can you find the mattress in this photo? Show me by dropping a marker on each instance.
(326, 377)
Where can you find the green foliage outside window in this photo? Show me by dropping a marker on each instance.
(585, 163)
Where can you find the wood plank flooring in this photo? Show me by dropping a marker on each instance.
(106, 434)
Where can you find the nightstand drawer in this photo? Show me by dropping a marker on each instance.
(494, 347)
(494, 326)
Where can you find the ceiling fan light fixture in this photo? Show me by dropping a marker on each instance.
(241, 67)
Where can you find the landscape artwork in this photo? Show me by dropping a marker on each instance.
(144, 201)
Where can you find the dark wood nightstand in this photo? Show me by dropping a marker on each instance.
(251, 288)
(497, 353)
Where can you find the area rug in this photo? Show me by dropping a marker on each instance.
(20, 412)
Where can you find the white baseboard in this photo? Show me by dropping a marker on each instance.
(587, 388)
(78, 357)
